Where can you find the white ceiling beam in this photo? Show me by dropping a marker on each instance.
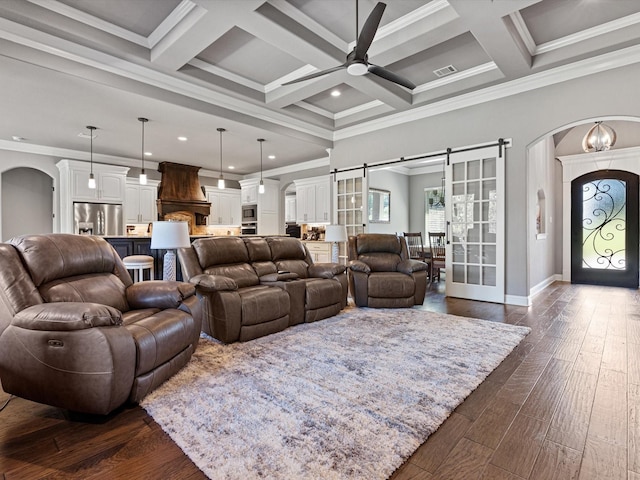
(375, 87)
(202, 26)
(290, 94)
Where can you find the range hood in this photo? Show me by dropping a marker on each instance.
(180, 195)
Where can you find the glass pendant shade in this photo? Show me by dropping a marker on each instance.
(143, 178)
(599, 138)
(221, 179)
(261, 187)
(92, 180)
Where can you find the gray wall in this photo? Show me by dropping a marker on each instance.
(398, 185)
(27, 202)
(525, 118)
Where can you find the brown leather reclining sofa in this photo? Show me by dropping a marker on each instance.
(256, 286)
(76, 333)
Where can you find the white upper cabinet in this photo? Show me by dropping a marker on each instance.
(140, 201)
(313, 200)
(110, 182)
(226, 206)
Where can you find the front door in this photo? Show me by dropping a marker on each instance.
(604, 229)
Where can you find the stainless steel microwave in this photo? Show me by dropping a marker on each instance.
(249, 213)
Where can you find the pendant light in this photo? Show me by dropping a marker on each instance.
(599, 138)
(92, 179)
(221, 179)
(143, 176)
(261, 185)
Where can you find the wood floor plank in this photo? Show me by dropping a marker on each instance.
(542, 401)
(520, 446)
(609, 414)
(614, 354)
(494, 422)
(466, 462)
(556, 462)
(433, 452)
(603, 461)
(491, 472)
(520, 384)
(570, 422)
(410, 471)
(634, 428)
(633, 364)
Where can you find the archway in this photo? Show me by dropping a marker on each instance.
(27, 202)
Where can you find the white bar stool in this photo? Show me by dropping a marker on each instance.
(138, 263)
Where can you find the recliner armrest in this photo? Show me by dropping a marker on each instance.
(358, 266)
(325, 270)
(212, 283)
(67, 316)
(159, 294)
(278, 277)
(411, 266)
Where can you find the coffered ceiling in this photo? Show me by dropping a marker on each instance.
(192, 66)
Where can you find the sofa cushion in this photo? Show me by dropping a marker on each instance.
(220, 251)
(242, 273)
(379, 242)
(51, 257)
(262, 304)
(381, 261)
(391, 285)
(321, 292)
(286, 248)
(299, 267)
(104, 288)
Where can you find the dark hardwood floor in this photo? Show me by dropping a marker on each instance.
(564, 405)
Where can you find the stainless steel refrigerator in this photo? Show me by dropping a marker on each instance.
(98, 218)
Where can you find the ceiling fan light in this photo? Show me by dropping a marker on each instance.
(357, 68)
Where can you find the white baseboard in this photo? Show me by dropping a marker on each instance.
(536, 289)
(518, 300)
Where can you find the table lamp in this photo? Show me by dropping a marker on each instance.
(335, 234)
(169, 236)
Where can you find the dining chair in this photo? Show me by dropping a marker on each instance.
(437, 246)
(415, 245)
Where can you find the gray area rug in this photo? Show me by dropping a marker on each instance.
(350, 397)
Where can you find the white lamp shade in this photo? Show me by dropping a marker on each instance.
(335, 233)
(170, 235)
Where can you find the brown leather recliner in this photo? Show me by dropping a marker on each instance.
(381, 274)
(76, 333)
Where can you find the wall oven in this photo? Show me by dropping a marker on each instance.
(250, 228)
(249, 213)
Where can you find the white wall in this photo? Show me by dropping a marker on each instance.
(27, 202)
(524, 117)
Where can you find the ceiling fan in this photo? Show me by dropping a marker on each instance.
(357, 62)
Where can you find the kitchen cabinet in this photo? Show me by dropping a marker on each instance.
(226, 206)
(249, 193)
(290, 209)
(110, 182)
(74, 179)
(320, 251)
(140, 201)
(313, 200)
(268, 204)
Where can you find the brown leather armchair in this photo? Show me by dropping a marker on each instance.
(76, 333)
(382, 275)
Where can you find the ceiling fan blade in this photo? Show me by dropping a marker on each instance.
(316, 74)
(393, 77)
(369, 30)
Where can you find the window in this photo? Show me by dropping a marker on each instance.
(434, 210)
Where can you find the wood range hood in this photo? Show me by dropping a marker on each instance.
(180, 193)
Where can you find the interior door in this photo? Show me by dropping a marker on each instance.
(475, 224)
(604, 229)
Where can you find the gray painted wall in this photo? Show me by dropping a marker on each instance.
(398, 185)
(525, 118)
(27, 202)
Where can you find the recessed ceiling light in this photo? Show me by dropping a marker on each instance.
(147, 154)
(335, 93)
(17, 138)
(86, 135)
(271, 157)
(231, 167)
(183, 139)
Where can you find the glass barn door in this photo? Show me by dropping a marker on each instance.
(475, 225)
